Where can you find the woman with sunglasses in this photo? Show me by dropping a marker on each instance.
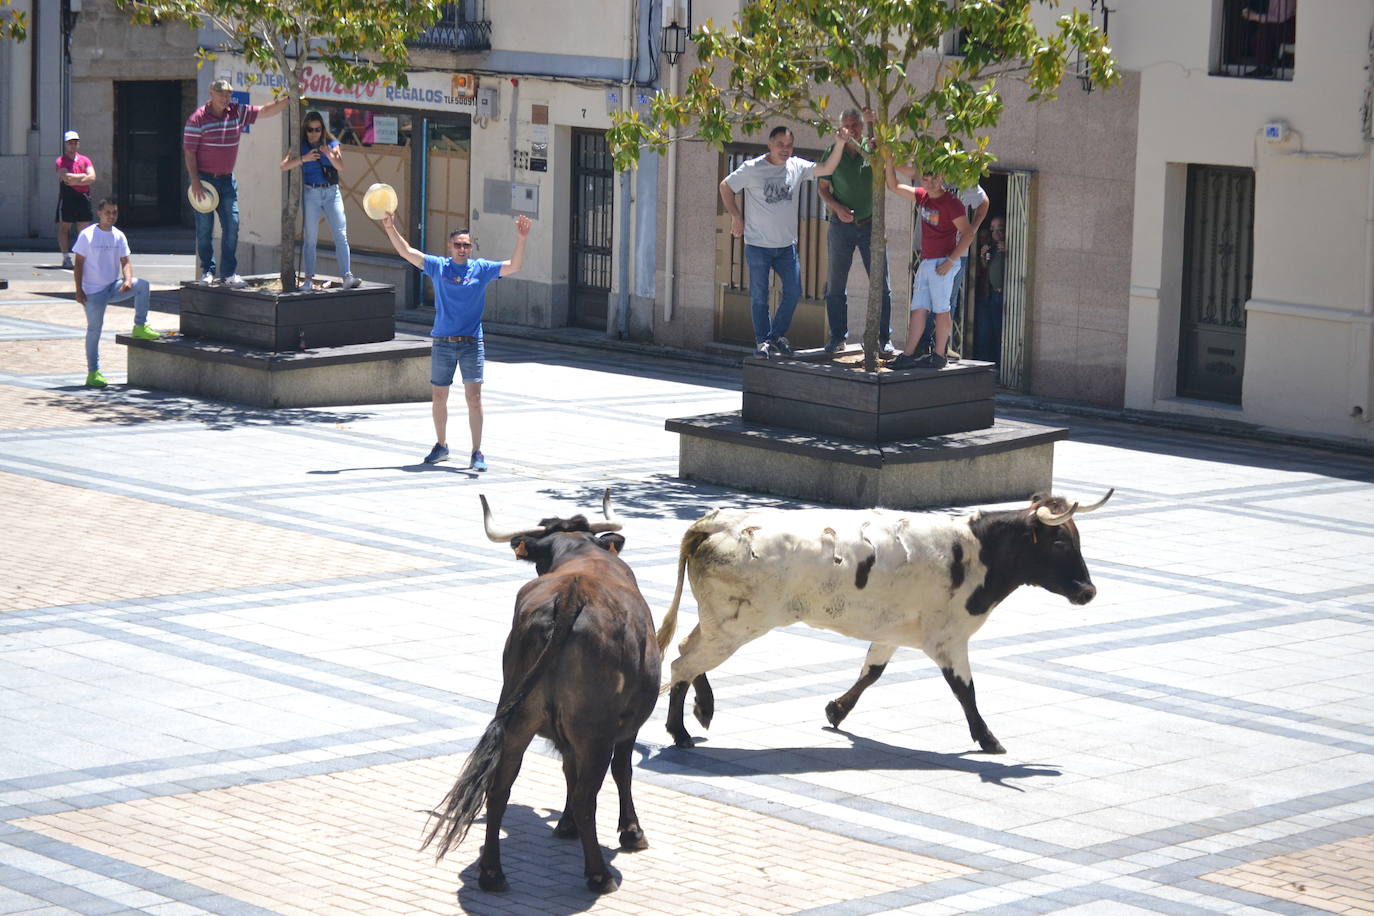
(320, 160)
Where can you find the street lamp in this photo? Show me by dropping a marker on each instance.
(674, 42)
(1084, 76)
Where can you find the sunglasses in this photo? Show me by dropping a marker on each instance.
(313, 130)
(462, 244)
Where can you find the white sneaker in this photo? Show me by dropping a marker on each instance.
(351, 282)
(307, 286)
(235, 282)
(67, 261)
(207, 278)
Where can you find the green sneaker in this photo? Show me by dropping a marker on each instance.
(95, 380)
(143, 332)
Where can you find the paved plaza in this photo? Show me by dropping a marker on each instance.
(243, 651)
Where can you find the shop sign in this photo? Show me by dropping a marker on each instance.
(428, 90)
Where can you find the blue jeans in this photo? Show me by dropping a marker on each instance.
(987, 332)
(95, 313)
(841, 241)
(228, 211)
(955, 299)
(784, 262)
(330, 201)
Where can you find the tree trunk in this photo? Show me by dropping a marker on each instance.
(877, 270)
(291, 189)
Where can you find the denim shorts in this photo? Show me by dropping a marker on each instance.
(450, 355)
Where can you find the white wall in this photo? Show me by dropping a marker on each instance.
(1308, 323)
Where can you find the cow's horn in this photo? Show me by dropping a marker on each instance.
(502, 536)
(1049, 518)
(611, 523)
(1098, 504)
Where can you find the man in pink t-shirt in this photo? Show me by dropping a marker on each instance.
(211, 146)
(75, 175)
(945, 238)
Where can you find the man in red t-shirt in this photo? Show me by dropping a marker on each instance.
(75, 175)
(210, 146)
(945, 238)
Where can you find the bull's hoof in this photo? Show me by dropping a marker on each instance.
(492, 882)
(680, 737)
(835, 713)
(632, 839)
(566, 830)
(704, 712)
(603, 884)
(991, 745)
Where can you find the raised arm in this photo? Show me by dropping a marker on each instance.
(413, 255)
(905, 190)
(832, 162)
(522, 235)
(274, 107)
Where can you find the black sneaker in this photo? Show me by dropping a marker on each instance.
(903, 361)
(437, 454)
(930, 361)
(782, 346)
(764, 350)
(835, 345)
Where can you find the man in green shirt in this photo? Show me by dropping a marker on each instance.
(849, 195)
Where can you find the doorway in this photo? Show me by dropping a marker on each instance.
(1218, 252)
(593, 229)
(147, 152)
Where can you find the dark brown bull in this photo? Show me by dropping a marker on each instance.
(581, 669)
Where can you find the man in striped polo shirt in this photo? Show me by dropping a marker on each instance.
(211, 145)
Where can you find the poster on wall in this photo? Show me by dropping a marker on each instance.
(385, 130)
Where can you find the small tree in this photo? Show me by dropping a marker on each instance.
(359, 41)
(808, 59)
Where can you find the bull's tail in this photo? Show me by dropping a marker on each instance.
(455, 814)
(690, 542)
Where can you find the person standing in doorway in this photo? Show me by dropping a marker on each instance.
(987, 331)
(945, 237)
(460, 285)
(210, 146)
(75, 175)
(848, 193)
(103, 274)
(320, 160)
(770, 183)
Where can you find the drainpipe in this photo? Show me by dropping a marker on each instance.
(670, 260)
(622, 330)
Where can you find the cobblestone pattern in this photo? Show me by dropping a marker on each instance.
(250, 646)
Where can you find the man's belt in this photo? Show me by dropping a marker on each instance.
(457, 339)
(216, 174)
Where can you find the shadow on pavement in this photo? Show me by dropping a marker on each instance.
(408, 468)
(545, 874)
(862, 754)
(122, 406)
(660, 496)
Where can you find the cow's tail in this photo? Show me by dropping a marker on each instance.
(455, 814)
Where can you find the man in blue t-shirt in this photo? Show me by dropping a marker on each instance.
(460, 286)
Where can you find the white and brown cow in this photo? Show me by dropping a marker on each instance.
(892, 578)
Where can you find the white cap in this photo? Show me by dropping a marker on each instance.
(70, 135)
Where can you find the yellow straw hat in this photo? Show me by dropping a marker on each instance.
(207, 203)
(379, 200)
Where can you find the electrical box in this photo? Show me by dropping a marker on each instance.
(488, 100)
(524, 198)
(1276, 131)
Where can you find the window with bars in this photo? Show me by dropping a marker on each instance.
(1256, 39)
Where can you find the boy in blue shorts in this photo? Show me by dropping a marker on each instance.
(460, 285)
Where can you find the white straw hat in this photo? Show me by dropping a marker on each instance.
(379, 200)
(207, 203)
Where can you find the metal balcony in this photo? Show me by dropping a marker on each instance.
(462, 26)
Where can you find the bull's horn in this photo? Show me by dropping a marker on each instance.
(502, 536)
(611, 523)
(1098, 504)
(1049, 518)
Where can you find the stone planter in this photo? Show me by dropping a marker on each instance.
(276, 321)
(840, 399)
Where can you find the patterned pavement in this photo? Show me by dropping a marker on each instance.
(242, 651)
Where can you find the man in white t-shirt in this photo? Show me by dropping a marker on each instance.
(104, 274)
(770, 184)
